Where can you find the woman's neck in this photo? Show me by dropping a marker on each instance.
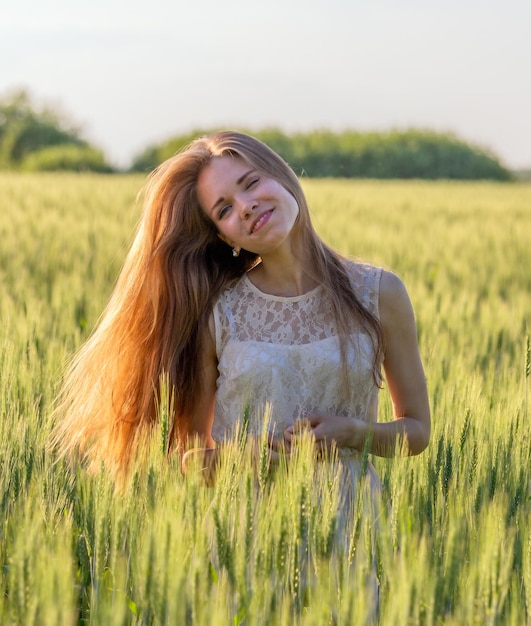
(285, 277)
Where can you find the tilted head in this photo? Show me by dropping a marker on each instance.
(173, 210)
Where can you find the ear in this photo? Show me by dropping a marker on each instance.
(225, 239)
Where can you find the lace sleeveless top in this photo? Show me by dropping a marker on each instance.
(280, 357)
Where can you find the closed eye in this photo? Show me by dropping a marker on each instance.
(252, 182)
(224, 210)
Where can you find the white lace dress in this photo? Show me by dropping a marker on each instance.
(281, 355)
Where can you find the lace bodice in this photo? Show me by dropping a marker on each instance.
(280, 356)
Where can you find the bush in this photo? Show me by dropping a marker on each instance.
(34, 138)
(396, 154)
(66, 157)
(26, 136)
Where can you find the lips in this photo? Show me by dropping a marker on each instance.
(261, 219)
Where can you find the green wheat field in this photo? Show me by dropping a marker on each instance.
(454, 524)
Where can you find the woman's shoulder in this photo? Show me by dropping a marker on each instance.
(379, 289)
(391, 285)
(394, 301)
(360, 268)
(365, 280)
(363, 274)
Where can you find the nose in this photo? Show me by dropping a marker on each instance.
(247, 206)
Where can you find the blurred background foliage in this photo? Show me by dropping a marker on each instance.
(401, 154)
(41, 139)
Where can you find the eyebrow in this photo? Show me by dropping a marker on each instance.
(238, 182)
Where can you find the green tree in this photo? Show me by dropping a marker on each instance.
(25, 130)
(350, 154)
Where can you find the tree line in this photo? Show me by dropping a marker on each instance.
(42, 140)
(352, 154)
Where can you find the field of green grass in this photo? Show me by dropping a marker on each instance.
(454, 525)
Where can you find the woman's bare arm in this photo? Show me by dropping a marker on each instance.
(404, 375)
(409, 431)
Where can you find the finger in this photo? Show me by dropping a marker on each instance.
(291, 437)
(274, 457)
(277, 443)
(299, 426)
(272, 440)
(319, 431)
(320, 444)
(284, 441)
(315, 420)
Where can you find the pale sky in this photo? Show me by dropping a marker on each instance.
(135, 72)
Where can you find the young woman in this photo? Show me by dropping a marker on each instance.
(228, 290)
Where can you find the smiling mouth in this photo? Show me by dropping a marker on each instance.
(265, 215)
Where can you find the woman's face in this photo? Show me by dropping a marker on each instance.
(250, 210)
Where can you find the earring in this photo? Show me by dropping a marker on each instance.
(235, 252)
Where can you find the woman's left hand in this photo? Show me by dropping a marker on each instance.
(328, 430)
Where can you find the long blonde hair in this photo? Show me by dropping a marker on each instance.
(156, 317)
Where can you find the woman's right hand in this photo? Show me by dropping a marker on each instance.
(279, 447)
(207, 458)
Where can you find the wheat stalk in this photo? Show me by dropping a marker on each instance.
(527, 370)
